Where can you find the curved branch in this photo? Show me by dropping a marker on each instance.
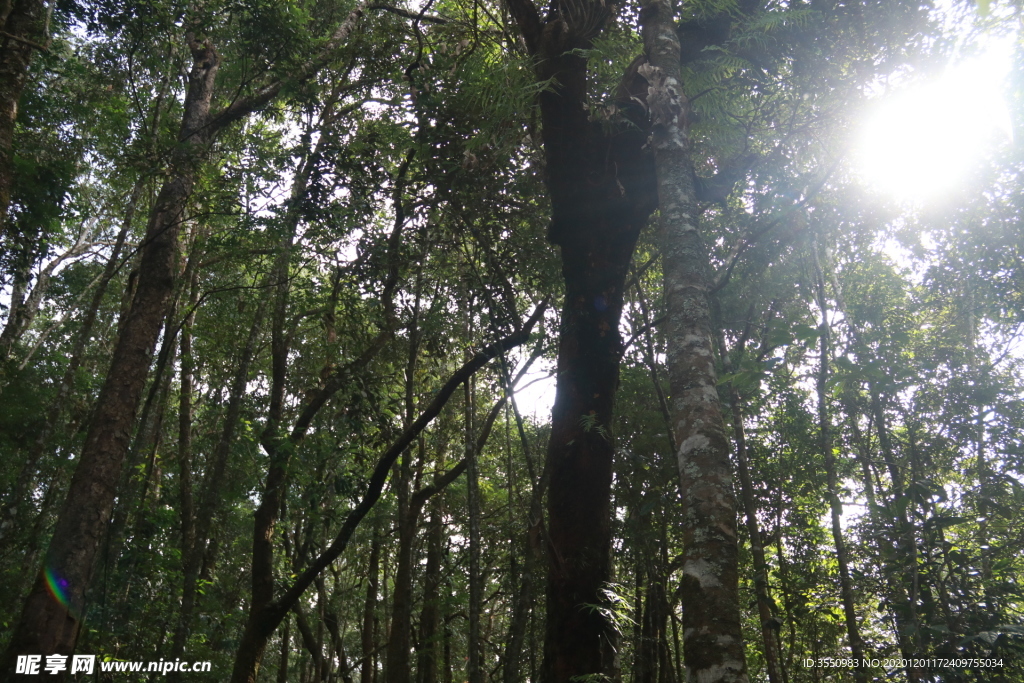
(277, 609)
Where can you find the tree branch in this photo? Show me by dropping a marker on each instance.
(278, 608)
(240, 108)
(410, 15)
(528, 19)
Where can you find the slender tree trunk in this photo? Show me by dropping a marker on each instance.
(286, 648)
(368, 672)
(397, 668)
(475, 672)
(427, 649)
(769, 622)
(313, 644)
(712, 635)
(902, 578)
(903, 596)
(186, 508)
(397, 659)
(835, 505)
(194, 554)
(533, 552)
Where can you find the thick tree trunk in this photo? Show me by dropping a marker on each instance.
(51, 616)
(712, 635)
(600, 182)
(15, 502)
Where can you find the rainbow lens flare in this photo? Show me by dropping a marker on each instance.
(57, 585)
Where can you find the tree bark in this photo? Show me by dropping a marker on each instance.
(397, 658)
(430, 615)
(186, 507)
(474, 672)
(601, 186)
(368, 671)
(286, 647)
(712, 635)
(195, 549)
(12, 506)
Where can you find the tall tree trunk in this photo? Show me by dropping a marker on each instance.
(835, 505)
(600, 182)
(397, 660)
(903, 597)
(186, 508)
(286, 648)
(194, 553)
(533, 552)
(51, 615)
(712, 635)
(474, 668)
(23, 26)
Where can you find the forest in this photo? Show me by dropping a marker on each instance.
(490, 341)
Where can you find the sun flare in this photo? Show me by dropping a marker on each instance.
(920, 143)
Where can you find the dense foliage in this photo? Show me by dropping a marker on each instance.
(379, 222)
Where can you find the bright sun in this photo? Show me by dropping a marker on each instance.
(920, 143)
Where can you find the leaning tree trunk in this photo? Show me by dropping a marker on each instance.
(51, 616)
(712, 636)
